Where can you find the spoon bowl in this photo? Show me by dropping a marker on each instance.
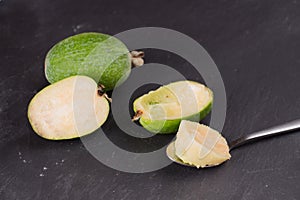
(277, 130)
(172, 156)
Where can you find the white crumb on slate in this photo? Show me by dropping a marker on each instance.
(60, 162)
(77, 27)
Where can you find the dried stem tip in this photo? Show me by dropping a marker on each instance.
(137, 58)
(137, 115)
(101, 92)
(137, 54)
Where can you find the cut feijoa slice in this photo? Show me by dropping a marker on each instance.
(162, 110)
(199, 145)
(100, 56)
(68, 109)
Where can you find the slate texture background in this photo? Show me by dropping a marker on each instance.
(255, 44)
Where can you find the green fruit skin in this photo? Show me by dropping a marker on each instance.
(171, 126)
(99, 56)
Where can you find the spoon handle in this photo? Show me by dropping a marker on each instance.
(276, 130)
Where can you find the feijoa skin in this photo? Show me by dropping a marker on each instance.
(102, 57)
(162, 110)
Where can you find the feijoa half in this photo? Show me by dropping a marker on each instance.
(162, 110)
(68, 109)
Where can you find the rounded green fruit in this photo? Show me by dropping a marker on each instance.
(162, 110)
(68, 109)
(102, 57)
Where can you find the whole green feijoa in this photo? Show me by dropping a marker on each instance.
(99, 56)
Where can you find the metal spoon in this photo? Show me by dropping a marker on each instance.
(277, 130)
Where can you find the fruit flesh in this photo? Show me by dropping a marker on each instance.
(200, 146)
(163, 109)
(99, 56)
(68, 109)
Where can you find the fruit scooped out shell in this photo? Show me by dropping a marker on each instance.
(161, 110)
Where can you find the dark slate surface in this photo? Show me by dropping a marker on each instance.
(255, 44)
